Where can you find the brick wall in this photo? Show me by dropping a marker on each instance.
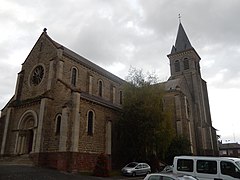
(67, 161)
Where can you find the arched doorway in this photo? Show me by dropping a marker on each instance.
(26, 133)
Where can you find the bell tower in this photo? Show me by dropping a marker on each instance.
(185, 67)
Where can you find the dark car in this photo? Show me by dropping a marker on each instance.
(168, 176)
(135, 169)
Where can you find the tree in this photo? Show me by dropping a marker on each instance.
(179, 146)
(144, 128)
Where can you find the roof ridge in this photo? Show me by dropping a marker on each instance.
(83, 60)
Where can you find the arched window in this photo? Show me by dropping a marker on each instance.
(177, 66)
(120, 97)
(100, 88)
(58, 124)
(90, 84)
(113, 94)
(90, 123)
(74, 76)
(186, 63)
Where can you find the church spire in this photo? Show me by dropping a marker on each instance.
(182, 42)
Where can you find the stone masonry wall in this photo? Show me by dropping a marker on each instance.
(37, 57)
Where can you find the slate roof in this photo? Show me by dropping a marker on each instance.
(229, 146)
(182, 42)
(85, 61)
(172, 84)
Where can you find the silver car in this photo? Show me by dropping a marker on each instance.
(135, 169)
(168, 176)
(167, 169)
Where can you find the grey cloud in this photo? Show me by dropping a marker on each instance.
(137, 33)
(7, 79)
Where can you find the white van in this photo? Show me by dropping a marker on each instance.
(208, 168)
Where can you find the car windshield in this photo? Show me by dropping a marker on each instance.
(238, 164)
(133, 164)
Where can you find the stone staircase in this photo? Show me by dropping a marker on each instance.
(16, 160)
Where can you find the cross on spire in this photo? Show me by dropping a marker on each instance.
(179, 18)
(182, 42)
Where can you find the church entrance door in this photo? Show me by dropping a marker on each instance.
(25, 136)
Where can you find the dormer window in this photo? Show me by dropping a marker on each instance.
(186, 63)
(177, 66)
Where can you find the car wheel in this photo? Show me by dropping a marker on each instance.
(134, 174)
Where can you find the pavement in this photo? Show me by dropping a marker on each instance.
(27, 172)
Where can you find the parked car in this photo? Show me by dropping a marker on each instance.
(167, 169)
(205, 167)
(135, 169)
(168, 176)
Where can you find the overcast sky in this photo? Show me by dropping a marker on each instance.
(117, 34)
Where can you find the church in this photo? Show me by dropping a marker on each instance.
(64, 106)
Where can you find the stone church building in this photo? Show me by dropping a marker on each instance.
(64, 106)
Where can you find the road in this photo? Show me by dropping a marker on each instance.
(21, 172)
